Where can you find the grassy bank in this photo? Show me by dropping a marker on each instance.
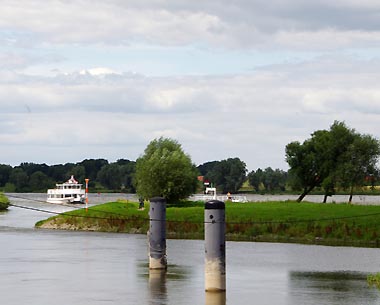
(329, 224)
(4, 202)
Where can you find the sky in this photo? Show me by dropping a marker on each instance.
(83, 79)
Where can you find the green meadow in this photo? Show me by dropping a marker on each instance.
(289, 221)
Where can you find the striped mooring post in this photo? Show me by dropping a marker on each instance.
(215, 246)
(157, 233)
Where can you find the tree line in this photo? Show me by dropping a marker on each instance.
(227, 175)
(338, 158)
(104, 176)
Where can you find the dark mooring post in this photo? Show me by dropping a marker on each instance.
(157, 233)
(215, 246)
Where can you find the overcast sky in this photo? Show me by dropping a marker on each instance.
(243, 78)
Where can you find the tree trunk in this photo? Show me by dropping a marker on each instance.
(305, 192)
(351, 194)
(302, 196)
(325, 198)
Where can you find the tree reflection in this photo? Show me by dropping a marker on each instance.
(330, 287)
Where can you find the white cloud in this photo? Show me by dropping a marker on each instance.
(99, 71)
(97, 110)
(240, 24)
(251, 116)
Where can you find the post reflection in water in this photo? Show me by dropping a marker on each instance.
(157, 286)
(216, 298)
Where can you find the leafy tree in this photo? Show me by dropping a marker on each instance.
(127, 172)
(58, 172)
(207, 167)
(30, 168)
(271, 180)
(19, 178)
(118, 176)
(312, 161)
(79, 173)
(328, 157)
(109, 176)
(274, 180)
(228, 175)
(92, 167)
(39, 181)
(165, 170)
(5, 171)
(255, 178)
(358, 161)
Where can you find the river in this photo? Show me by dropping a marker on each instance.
(39, 267)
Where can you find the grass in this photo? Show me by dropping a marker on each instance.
(329, 224)
(374, 280)
(4, 202)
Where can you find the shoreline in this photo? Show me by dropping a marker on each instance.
(279, 222)
(318, 241)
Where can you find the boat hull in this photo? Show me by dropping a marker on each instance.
(65, 200)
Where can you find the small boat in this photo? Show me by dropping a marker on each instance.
(210, 194)
(69, 192)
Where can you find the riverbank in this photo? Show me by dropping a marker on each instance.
(308, 223)
(4, 202)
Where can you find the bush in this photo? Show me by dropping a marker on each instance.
(4, 202)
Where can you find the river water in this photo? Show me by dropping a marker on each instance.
(39, 267)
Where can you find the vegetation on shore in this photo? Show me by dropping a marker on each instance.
(311, 223)
(4, 202)
(374, 280)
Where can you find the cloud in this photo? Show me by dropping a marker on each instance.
(299, 25)
(252, 116)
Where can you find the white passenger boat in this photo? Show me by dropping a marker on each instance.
(69, 192)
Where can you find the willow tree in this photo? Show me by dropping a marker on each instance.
(165, 170)
(358, 162)
(338, 156)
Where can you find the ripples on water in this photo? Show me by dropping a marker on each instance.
(62, 267)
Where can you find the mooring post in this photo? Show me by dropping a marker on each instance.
(157, 233)
(215, 246)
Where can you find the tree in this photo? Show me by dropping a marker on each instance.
(228, 175)
(329, 157)
(79, 173)
(118, 176)
(38, 181)
(127, 172)
(271, 180)
(207, 167)
(58, 172)
(5, 171)
(358, 162)
(92, 167)
(19, 178)
(165, 170)
(30, 167)
(255, 178)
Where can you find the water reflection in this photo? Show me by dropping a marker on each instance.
(216, 298)
(162, 283)
(157, 286)
(331, 287)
